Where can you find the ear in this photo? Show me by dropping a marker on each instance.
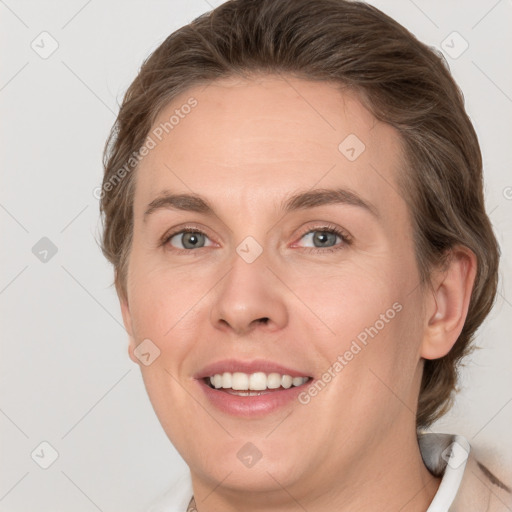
(447, 307)
(127, 321)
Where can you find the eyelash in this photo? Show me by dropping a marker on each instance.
(345, 237)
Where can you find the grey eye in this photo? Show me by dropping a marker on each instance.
(189, 239)
(322, 237)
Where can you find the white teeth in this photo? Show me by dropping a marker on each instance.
(240, 381)
(274, 381)
(217, 381)
(258, 381)
(286, 381)
(297, 381)
(226, 380)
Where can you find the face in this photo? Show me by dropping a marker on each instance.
(323, 289)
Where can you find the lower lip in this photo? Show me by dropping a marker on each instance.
(251, 406)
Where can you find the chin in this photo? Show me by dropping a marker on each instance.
(244, 465)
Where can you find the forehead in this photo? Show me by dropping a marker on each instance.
(249, 141)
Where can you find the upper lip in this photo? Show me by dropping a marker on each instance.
(252, 366)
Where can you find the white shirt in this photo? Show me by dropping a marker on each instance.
(443, 454)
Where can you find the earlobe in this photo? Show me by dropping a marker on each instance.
(448, 304)
(125, 311)
(127, 321)
(131, 347)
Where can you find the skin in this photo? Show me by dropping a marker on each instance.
(247, 145)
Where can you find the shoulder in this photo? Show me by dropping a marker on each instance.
(473, 480)
(482, 489)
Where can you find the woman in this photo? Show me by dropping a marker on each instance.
(292, 376)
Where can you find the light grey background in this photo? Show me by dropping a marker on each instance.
(66, 378)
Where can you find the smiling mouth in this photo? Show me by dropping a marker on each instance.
(254, 384)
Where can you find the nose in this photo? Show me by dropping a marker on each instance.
(249, 297)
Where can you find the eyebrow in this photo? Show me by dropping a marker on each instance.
(298, 201)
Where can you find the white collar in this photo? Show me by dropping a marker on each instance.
(446, 455)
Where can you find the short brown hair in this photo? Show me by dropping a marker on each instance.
(402, 81)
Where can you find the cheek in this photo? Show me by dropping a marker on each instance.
(370, 366)
(346, 301)
(164, 315)
(160, 300)
(368, 317)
